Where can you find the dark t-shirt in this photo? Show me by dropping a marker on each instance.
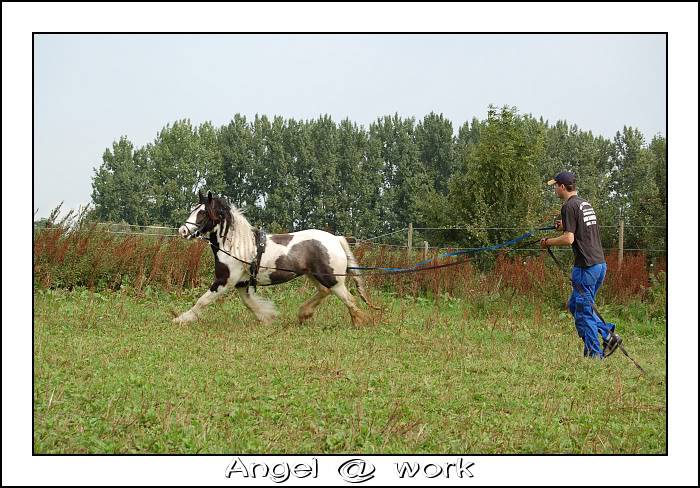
(578, 217)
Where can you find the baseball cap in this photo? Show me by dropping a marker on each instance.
(563, 178)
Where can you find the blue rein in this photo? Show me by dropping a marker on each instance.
(459, 252)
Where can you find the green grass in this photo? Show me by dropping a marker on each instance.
(113, 374)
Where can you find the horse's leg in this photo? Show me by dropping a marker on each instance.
(358, 316)
(206, 299)
(217, 290)
(263, 309)
(308, 308)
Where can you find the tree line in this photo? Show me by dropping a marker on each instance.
(349, 179)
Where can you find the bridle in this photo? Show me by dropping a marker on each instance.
(202, 228)
(199, 228)
(196, 233)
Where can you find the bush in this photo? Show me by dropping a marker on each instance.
(656, 295)
(96, 259)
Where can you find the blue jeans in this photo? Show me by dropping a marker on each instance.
(588, 324)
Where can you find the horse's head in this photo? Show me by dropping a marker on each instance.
(208, 215)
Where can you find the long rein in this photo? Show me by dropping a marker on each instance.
(196, 235)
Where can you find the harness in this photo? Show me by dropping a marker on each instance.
(260, 240)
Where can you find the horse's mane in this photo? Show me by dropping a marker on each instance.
(239, 220)
(239, 235)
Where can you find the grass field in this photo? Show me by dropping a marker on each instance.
(113, 374)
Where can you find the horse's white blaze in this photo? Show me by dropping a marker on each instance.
(188, 227)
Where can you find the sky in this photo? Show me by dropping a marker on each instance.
(91, 89)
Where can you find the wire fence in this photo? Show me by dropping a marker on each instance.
(556, 249)
(527, 228)
(418, 242)
(141, 234)
(117, 228)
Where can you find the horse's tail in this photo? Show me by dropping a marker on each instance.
(355, 273)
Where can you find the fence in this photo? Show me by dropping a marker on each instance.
(424, 246)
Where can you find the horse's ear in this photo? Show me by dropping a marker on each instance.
(209, 197)
(201, 197)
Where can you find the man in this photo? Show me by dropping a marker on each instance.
(580, 230)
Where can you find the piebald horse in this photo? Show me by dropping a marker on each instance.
(321, 256)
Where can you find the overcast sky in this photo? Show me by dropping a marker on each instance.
(91, 89)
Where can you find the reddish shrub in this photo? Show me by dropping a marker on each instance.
(101, 260)
(628, 280)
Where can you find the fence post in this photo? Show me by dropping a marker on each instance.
(620, 244)
(409, 245)
(425, 250)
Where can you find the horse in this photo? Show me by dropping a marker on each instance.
(326, 259)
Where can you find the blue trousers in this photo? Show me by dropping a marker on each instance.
(588, 324)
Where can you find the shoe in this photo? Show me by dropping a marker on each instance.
(611, 345)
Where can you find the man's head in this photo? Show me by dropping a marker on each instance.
(564, 184)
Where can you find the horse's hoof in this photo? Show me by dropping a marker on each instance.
(359, 318)
(267, 318)
(185, 318)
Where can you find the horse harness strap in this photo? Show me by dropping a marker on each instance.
(260, 239)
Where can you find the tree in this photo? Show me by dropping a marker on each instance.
(184, 160)
(633, 188)
(467, 138)
(658, 150)
(435, 140)
(357, 184)
(282, 199)
(298, 145)
(119, 184)
(392, 143)
(291, 175)
(500, 185)
(324, 183)
(235, 142)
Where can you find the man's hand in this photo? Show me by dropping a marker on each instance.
(543, 243)
(557, 225)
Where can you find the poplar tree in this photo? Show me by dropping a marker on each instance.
(120, 183)
(436, 144)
